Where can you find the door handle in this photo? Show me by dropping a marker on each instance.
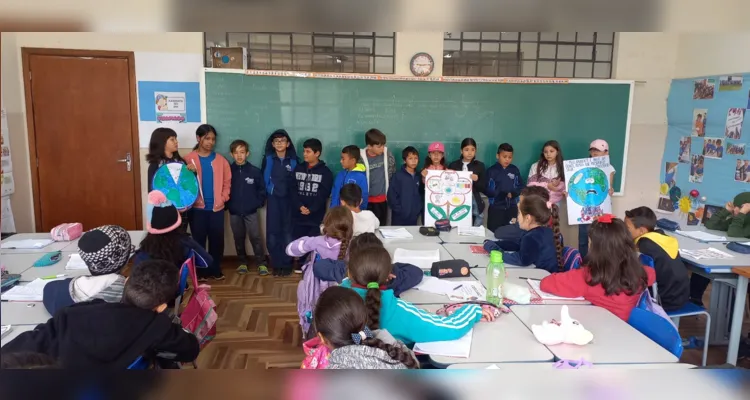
(128, 160)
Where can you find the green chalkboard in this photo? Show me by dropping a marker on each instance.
(339, 111)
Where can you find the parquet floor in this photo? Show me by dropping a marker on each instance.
(258, 327)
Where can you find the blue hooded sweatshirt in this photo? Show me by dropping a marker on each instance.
(537, 246)
(407, 275)
(277, 173)
(500, 182)
(356, 175)
(248, 192)
(405, 197)
(313, 187)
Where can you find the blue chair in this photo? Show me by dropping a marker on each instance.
(140, 363)
(571, 258)
(184, 275)
(657, 329)
(691, 309)
(649, 262)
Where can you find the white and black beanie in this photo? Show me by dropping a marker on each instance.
(105, 249)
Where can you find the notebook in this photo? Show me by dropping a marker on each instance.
(478, 249)
(25, 244)
(75, 262)
(471, 231)
(434, 285)
(447, 348)
(468, 290)
(32, 291)
(535, 287)
(421, 258)
(395, 233)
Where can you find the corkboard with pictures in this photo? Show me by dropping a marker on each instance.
(704, 162)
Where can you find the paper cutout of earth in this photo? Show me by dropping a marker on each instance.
(588, 187)
(178, 184)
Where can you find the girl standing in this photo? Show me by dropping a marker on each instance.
(207, 214)
(468, 162)
(548, 172)
(435, 158)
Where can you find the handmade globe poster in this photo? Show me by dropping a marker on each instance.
(178, 183)
(448, 196)
(588, 189)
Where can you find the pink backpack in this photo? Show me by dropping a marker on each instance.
(67, 232)
(448, 309)
(199, 316)
(316, 354)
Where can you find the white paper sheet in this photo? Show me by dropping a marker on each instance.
(493, 366)
(468, 291)
(5, 330)
(421, 258)
(535, 286)
(75, 262)
(706, 254)
(31, 291)
(432, 284)
(702, 236)
(395, 233)
(448, 348)
(26, 244)
(471, 231)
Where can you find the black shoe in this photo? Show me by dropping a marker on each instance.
(286, 272)
(276, 272)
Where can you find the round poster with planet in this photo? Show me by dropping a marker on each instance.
(588, 189)
(178, 183)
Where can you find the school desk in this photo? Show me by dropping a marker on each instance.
(23, 313)
(615, 342)
(454, 237)
(57, 269)
(541, 367)
(519, 276)
(135, 239)
(463, 252)
(413, 230)
(15, 331)
(54, 246)
(419, 297)
(444, 254)
(505, 339)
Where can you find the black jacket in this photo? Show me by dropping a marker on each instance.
(313, 190)
(111, 335)
(671, 274)
(405, 197)
(477, 168)
(248, 192)
(407, 275)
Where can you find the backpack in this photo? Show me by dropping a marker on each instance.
(646, 302)
(571, 258)
(316, 354)
(448, 309)
(66, 232)
(199, 316)
(308, 292)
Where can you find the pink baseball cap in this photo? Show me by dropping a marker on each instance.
(436, 146)
(599, 144)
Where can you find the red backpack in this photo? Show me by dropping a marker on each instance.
(199, 316)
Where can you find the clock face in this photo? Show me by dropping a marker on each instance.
(422, 64)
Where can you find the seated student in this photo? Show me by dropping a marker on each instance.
(364, 220)
(402, 277)
(671, 273)
(105, 250)
(539, 245)
(504, 184)
(112, 335)
(512, 232)
(405, 195)
(353, 172)
(613, 277)
(334, 241)
(163, 240)
(368, 276)
(341, 320)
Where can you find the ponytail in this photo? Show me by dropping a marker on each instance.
(372, 303)
(344, 248)
(395, 352)
(558, 236)
(370, 268)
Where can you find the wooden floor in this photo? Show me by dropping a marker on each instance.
(258, 327)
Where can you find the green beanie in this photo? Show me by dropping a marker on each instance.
(741, 199)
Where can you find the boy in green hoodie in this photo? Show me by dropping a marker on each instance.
(671, 273)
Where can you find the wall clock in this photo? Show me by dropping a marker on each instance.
(421, 64)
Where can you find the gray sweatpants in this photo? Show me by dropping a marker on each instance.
(247, 225)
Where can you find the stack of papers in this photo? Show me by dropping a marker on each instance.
(471, 231)
(702, 236)
(535, 286)
(75, 262)
(706, 254)
(32, 291)
(5, 330)
(449, 348)
(395, 233)
(468, 290)
(421, 258)
(25, 244)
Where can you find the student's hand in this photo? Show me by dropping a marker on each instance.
(729, 206)
(474, 177)
(552, 184)
(304, 210)
(514, 220)
(564, 193)
(611, 191)
(424, 172)
(391, 277)
(487, 315)
(191, 167)
(745, 208)
(510, 196)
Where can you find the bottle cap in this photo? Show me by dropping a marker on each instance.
(496, 256)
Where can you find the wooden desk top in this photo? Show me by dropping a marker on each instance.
(745, 271)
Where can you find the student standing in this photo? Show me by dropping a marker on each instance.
(278, 166)
(353, 172)
(548, 171)
(313, 182)
(207, 214)
(379, 167)
(468, 162)
(435, 159)
(598, 148)
(247, 196)
(406, 195)
(504, 184)
(364, 220)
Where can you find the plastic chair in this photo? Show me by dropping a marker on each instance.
(690, 309)
(184, 274)
(649, 262)
(140, 363)
(657, 329)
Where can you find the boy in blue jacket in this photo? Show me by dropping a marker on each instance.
(353, 172)
(504, 184)
(279, 162)
(405, 191)
(313, 182)
(247, 195)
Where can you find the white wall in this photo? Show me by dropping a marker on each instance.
(702, 54)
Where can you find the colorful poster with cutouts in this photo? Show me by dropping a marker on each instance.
(588, 187)
(448, 196)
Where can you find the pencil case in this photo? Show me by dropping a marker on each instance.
(67, 232)
(428, 231)
(48, 259)
(667, 225)
(443, 225)
(450, 269)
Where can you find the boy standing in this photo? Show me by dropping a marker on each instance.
(247, 195)
(597, 148)
(113, 335)
(313, 181)
(353, 173)
(364, 221)
(278, 165)
(379, 167)
(504, 184)
(671, 273)
(405, 192)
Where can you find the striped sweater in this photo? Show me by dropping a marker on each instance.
(410, 324)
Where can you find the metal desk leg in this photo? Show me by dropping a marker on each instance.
(736, 329)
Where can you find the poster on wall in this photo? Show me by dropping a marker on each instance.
(730, 83)
(684, 156)
(700, 117)
(7, 223)
(170, 107)
(704, 89)
(733, 128)
(448, 196)
(588, 189)
(713, 148)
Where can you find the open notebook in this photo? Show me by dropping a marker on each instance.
(447, 348)
(421, 258)
(535, 287)
(25, 244)
(32, 291)
(395, 233)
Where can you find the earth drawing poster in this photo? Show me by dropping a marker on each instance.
(587, 184)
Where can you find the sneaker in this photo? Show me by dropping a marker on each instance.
(242, 269)
(219, 278)
(297, 270)
(286, 272)
(202, 279)
(276, 272)
(262, 270)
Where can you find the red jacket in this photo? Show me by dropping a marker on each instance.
(573, 284)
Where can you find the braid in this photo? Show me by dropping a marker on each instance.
(395, 352)
(558, 236)
(372, 303)
(344, 248)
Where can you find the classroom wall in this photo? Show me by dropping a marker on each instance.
(712, 54)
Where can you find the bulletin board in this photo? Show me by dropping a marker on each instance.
(707, 143)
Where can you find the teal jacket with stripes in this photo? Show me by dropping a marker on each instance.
(410, 324)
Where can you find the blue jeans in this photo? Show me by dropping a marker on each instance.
(207, 224)
(478, 218)
(279, 231)
(583, 239)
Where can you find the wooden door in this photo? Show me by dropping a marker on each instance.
(81, 113)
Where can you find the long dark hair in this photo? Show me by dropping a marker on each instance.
(363, 241)
(613, 261)
(340, 313)
(157, 145)
(543, 164)
(166, 246)
(468, 142)
(368, 265)
(204, 130)
(338, 223)
(536, 206)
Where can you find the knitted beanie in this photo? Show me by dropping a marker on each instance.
(105, 249)
(741, 199)
(162, 215)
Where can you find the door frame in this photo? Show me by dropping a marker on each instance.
(26, 53)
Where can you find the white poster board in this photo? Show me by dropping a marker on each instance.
(588, 187)
(448, 196)
(7, 165)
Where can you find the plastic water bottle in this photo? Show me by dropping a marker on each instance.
(495, 278)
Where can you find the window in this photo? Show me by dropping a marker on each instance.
(533, 54)
(362, 52)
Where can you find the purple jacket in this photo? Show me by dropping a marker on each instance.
(310, 288)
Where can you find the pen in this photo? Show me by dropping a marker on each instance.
(458, 287)
(54, 276)
(531, 279)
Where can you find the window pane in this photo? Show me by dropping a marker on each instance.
(602, 70)
(385, 34)
(280, 42)
(216, 39)
(260, 42)
(363, 46)
(585, 37)
(489, 70)
(259, 60)
(452, 45)
(528, 50)
(548, 36)
(509, 47)
(302, 40)
(363, 64)
(567, 37)
(603, 52)
(364, 33)
(529, 36)
(565, 51)
(302, 62)
(471, 35)
(604, 37)
(452, 35)
(471, 46)
(510, 36)
(585, 53)
(546, 69)
(490, 47)
(323, 41)
(384, 47)
(564, 70)
(547, 51)
(343, 45)
(491, 35)
(238, 40)
(584, 70)
(384, 65)
(528, 68)
(343, 33)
